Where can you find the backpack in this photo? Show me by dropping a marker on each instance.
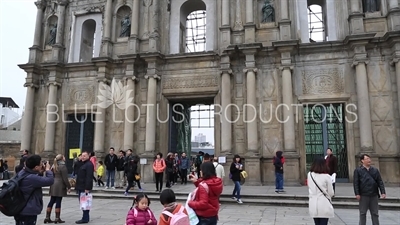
(179, 218)
(12, 199)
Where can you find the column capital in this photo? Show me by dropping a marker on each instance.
(134, 78)
(40, 4)
(228, 71)
(286, 67)
(394, 61)
(155, 76)
(356, 62)
(55, 83)
(255, 70)
(103, 80)
(31, 85)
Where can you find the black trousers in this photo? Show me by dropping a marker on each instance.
(170, 179)
(184, 176)
(159, 181)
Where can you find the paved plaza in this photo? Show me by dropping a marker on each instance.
(113, 212)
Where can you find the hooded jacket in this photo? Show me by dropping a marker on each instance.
(142, 217)
(206, 203)
(279, 160)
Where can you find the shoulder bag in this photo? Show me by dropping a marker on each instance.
(321, 189)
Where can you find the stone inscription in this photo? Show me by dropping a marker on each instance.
(81, 95)
(323, 81)
(190, 82)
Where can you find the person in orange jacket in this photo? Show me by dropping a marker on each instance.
(159, 167)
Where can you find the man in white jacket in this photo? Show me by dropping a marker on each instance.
(219, 169)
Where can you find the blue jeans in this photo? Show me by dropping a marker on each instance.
(208, 221)
(321, 221)
(110, 176)
(279, 181)
(236, 190)
(85, 215)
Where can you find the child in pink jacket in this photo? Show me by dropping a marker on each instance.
(140, 213)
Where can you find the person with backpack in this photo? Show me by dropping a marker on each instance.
(173, 213)
(140, 213)
(159, 166)
(30, 185)
(205, 200)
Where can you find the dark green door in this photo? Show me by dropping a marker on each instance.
(325, 127)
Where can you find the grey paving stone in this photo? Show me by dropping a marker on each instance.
(113, 212)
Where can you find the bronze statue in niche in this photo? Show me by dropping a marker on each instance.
(53, 35)
(125, 27)
(268, 12)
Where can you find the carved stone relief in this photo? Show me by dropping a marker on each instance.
(271, 142)
(268, 85)
(81, 95)
(323, 81)
(385, 138)
(190, 82)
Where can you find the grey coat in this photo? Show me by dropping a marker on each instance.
(61, 182)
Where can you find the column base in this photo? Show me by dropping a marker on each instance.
(249, 33)
(366, 150)
(252, 166)
(356, 23)
(35, 54)
(284, 30)
(147, 172)
(133, 45)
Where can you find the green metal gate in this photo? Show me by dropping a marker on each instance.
(325, 127)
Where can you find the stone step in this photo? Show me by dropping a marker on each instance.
(277, 200)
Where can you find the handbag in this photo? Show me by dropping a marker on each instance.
(137, 177)
(321, 189)
(194, 220)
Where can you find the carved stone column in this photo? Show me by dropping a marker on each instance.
(225, 12)
(251, 111)
(364, 110)
(154, 23)
(35, 50)
(238, 19)
(134, 38)
(27, 118)
(151, 120)
(250, 27)
(284, 23)
(146, 4)
(100, 122)
(52, 117)
(57, 49)
(288, 116)
(226, 126)
(107, 45)
(356, 17)
(129, 126)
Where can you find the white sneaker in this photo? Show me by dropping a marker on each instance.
(239, 201)
(106, 187)
(234, 198)
(113, 187)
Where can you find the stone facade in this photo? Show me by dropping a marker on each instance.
(245, 62)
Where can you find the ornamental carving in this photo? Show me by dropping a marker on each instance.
(323, 81)
(190, 82)
(81, 95)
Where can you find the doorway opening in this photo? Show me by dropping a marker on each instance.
(325, 128)
(79, 136)
(191, 127)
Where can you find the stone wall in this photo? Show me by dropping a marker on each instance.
(10, 151)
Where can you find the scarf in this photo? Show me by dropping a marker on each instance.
(171, 206)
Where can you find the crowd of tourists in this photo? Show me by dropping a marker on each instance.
(204, 171)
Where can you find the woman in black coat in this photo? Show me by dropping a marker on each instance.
(235, 170)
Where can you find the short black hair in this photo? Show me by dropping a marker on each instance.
(25, 151)
(167, 196)
(160, 154)
(33, 161)
(208, 170)
(112, 148)
(123, 152)
(129, 150)
(362, 156)
(207, 156)
(101, 162)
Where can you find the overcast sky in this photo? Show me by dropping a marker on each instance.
(17, 26)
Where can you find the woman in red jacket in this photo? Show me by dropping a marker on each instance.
(205, 202)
